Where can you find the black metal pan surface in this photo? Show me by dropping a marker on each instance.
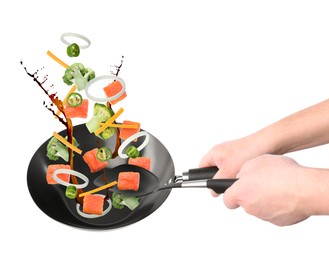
(52, 201)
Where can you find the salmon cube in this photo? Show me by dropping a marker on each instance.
(79, 111)
(93, 204)
(63, 176)
(127, 132)
(143, 162)
(112, 89)
(128, 181)
(94, 164)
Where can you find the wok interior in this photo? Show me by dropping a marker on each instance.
(52, 201)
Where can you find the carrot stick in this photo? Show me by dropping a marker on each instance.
(109, 122)
(55, 58)
(123, 126)
(64, 141)
(99, 188)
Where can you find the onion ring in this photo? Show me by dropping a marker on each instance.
(130, 139)
(77, 36)
(72, 172)
(85, 215)
(98, 99)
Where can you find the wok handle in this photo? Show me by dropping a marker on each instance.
(220, 185)
(200, 173)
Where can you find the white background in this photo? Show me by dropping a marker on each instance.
(197, 73)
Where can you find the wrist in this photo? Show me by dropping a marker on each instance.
(264, 142)
(314, 192)
(276, 139)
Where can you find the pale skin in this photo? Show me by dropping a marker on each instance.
(271, 186)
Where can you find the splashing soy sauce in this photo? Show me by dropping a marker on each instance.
(118, 142)
(67, 122)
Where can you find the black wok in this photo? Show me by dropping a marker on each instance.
(51, 198)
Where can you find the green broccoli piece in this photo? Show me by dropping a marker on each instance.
(78, 74)
(119, 201)
(56, 150)
(116, 200)
(100, 115)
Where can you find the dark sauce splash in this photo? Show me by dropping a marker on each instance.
(67, 122)
(117, 131)
(117, 67)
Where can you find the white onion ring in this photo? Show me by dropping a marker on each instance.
(130, 139)
(71, 172)
(107, 99)
(85, 215)
(77, 36)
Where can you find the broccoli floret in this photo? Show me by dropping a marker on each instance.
(56, 150)
(119, 201)
(116, 200)
(78, 73)
(100, 115)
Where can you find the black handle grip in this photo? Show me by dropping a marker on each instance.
(220, 185)
(200, 173)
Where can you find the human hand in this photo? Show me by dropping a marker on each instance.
(270, 187)
(230, 156)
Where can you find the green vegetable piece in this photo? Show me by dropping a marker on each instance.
(71, 192)
(119, 201)
(56, 150)
(132, 152)
(74, 99)
(100, 115)
(108, 132)
(116, 200)
(73, 50)
(104, 154)
(78, 74)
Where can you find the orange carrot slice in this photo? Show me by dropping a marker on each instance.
(65, 142)
(55, 58)
(109, 122)
(123, 126)
(109, 185)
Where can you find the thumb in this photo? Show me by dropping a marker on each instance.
(230, 197)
